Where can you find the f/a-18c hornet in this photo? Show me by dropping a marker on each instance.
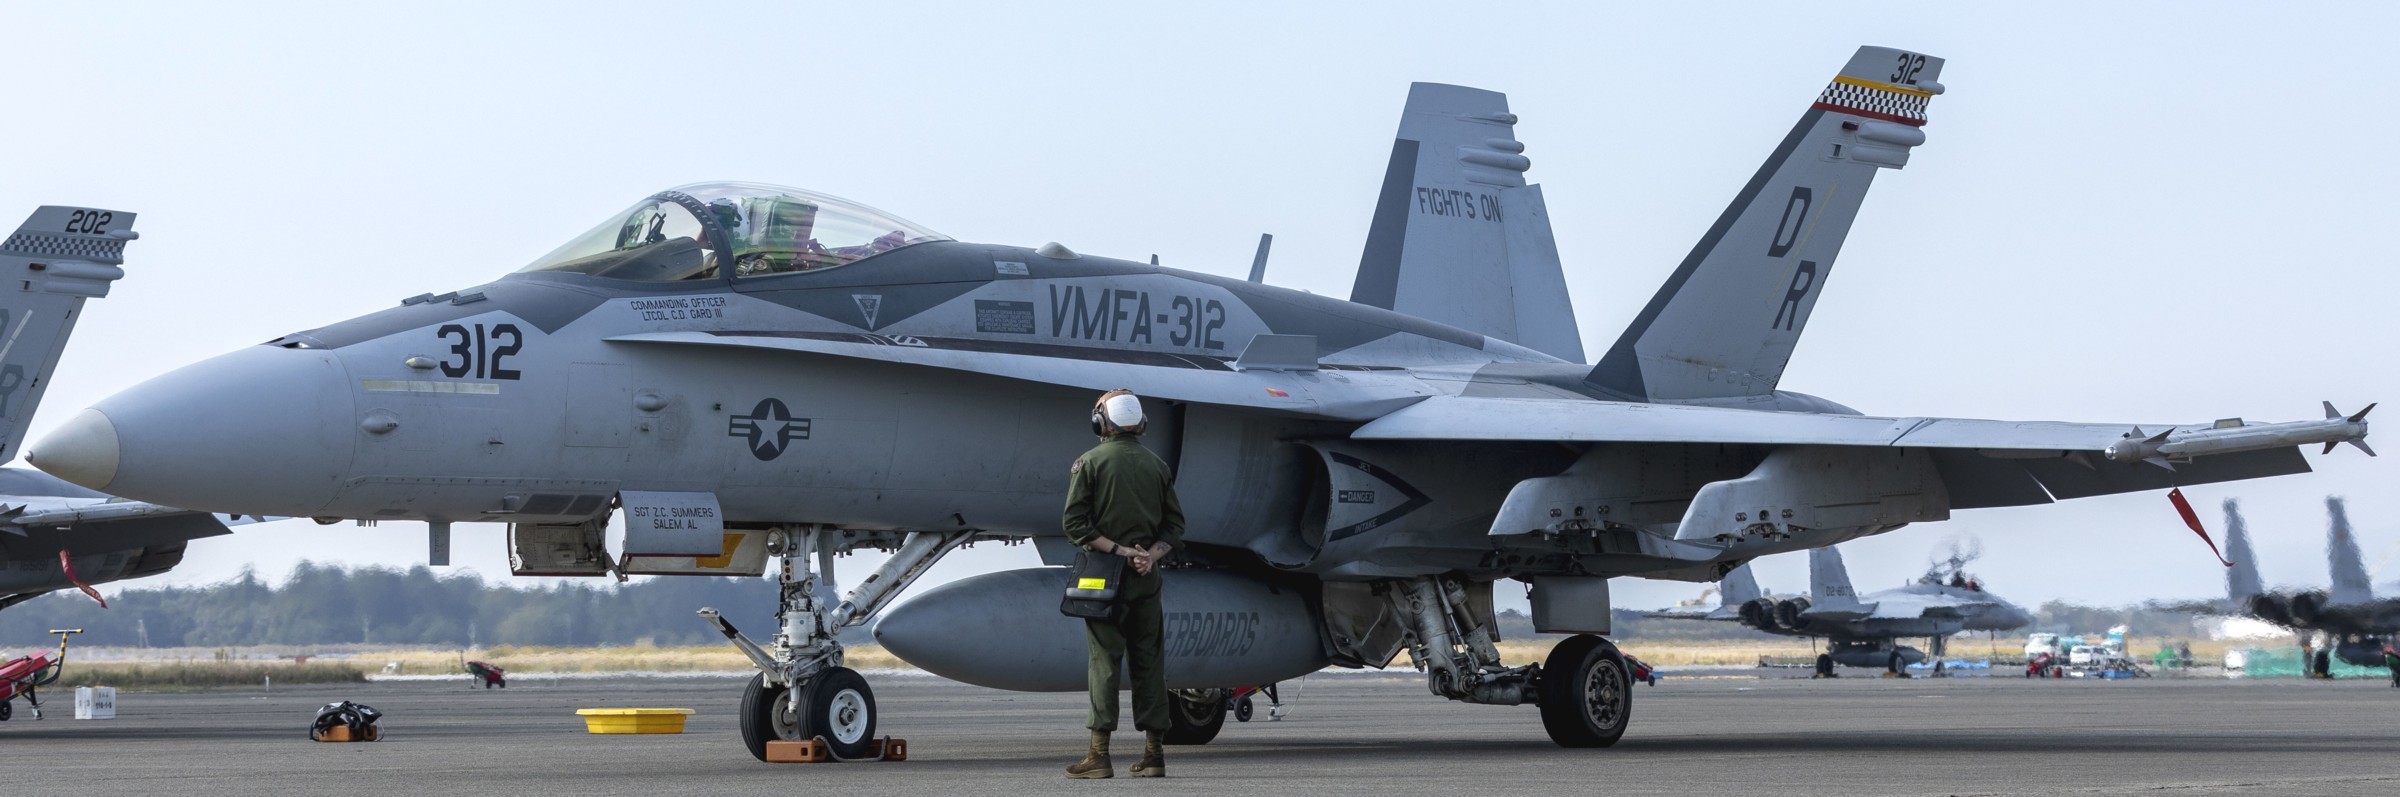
(1865, 630)
(55, 535)
(2356, 624)
(749, 372)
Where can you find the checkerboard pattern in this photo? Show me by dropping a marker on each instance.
(1893, 106)
(64, 247)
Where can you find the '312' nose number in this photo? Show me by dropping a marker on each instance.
(479, 350)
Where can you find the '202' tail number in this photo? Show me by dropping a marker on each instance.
(480, 351)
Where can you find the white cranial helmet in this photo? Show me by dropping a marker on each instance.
(1124, 411)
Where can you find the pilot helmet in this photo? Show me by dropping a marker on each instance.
(1118, 411)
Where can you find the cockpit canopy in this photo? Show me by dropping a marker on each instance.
(682, 234)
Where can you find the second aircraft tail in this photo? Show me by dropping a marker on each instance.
(1828, 579)
(2241, 580)
(2350, 583)
(64, 255)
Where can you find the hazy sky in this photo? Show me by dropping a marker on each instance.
(2158, 212)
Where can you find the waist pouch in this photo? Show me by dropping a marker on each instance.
(1095, 586)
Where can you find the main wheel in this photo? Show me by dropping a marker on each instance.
(1586, 693)
(1825, 665)
(2324, 664)
(1243, 711)
(1894, 663)
(5, 711)
(1195, 717)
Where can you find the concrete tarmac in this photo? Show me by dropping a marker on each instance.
(1345, 735)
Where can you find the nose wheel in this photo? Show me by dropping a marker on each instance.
(836, 705)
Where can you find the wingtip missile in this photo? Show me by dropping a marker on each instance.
(2232, 436)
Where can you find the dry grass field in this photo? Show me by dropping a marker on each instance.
(171, 669)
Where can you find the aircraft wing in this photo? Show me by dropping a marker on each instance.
(2068, 460)
(1843, 612)
(1693, 613)
(147, 523)
(1355, 395)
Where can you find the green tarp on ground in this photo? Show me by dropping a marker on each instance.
(2288, 663)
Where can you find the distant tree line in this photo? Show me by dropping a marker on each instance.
(324, 605)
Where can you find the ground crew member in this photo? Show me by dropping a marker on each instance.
(2391, 659)
(1121, 501)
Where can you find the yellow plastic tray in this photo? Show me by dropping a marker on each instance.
(634, 720)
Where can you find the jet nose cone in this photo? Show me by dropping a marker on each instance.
(83, 452)
(259, 431)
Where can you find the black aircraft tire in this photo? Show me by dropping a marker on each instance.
(841, 708)
(1894, 663)
(5, 711)
(2324, 664)
(1242, 711)
(1586, 693)
(1824, 664)
(1194, 721)
(764, 718)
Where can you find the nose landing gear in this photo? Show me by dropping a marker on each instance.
(802, 691)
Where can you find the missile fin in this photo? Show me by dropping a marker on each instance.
(2362, 446)
(2161, 462)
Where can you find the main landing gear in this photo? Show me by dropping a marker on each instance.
(1584, 688)
(802, 691)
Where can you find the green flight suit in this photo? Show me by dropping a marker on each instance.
(1121, 491)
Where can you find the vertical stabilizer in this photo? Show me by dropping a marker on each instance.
(61, 256)
(1728, 318)
(1458, 236)
(2241, 580)
(1738, 587)
(2350, 584)
(1828, 579)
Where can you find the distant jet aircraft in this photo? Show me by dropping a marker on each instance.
(55, 535)
(2357, 623)
(750, 371)
(1865, 631)
(1737, 588)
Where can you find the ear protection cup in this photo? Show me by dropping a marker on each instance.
(1102, 426)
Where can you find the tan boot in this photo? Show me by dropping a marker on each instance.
(1154, 756)
(1095, 763)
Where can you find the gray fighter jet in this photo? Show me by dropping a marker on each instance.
(55, 535)
(750, 372)
(2356, 624)
(1737, 588)
(1865, 631)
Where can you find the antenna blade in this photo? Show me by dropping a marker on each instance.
(1258, 265)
